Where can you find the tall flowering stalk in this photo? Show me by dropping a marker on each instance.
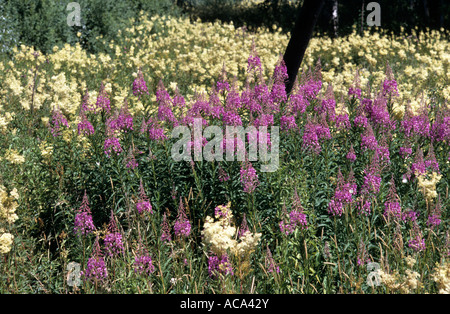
(418, 167)
(351, 156)
(182, 226)
(280, 76)
(362, 257)
(434, 219)
(297, 217)
(270, 263)
(165, 230)
(85, 106)
(219, 265)
(416, 242)
(143, 263)
(392, 207)
(130, 160)
(122, 120)
(390, 87)
(431, 163)
(343, 194)
(244, 227)
(139, 85)
(83, 219)
(84, 126)
(372, 177)
(368, 139)
(143, 204)
(113, 239)
(103, 102)
(58, 119)
(313, 133)
(223, 175)
(96, 268)
(249, 177)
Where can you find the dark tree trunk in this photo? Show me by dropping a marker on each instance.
(435, 13)
(307, 17)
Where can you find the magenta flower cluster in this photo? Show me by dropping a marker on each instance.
(219, 265)
(343, 194)
(96, 267)
(113, 240)
(83, 219)
(58, 119)
(139, 85)
(249, 177)
(143, 205)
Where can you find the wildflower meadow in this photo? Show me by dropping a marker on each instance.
(117, 174)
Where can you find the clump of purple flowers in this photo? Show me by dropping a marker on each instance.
(297, 217)
(343, 194)
(84, 126)
(351, 154)
(121, 121)
(155, 131)
(405, 152)
(434, 219)
(372, 177)
(368, 139)
(392, 207)
(143, 262)
(103, 102)
(417, 242)
(440, 130)
(249, 177)
(96, 267)
(416, 125)
(58, 119)
(139, 85)
(112, 144)
(143, 205)
(313, 133)
(83, 219)
(219, 266)
(363, 206)
(113, 239)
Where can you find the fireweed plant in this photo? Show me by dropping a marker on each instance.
(95, 183)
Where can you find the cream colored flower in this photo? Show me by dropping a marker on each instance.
(428, 186)
(8, 205)
(220, 234)
(14, 157)
(6, 241)
(441, 276)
